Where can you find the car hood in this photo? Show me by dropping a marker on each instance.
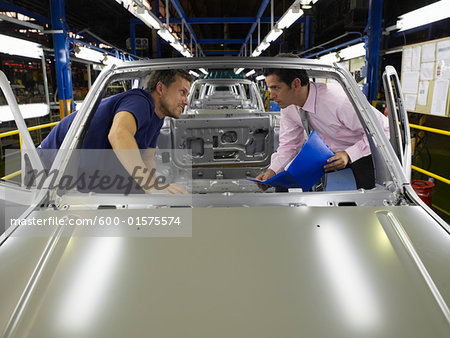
(244, 272)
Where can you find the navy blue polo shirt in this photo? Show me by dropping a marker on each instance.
(136, 101)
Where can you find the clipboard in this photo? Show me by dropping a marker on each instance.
(307, 167)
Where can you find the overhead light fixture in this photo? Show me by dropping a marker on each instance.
(353, 51)
(424, 15)
(263, 46)
(203, 70)
(111, 60)
(147, 17)
(256, 52)
(250, 73)
(89, 54)
(177, 45)
(273, 34)
(290, 16)
(14, 46)
(194, 73)
(186, 53)
(330, 57)
(260, 77)
(166, 35)
(239, 70)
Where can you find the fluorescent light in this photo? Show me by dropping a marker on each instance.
(148, 18)
(177, 45)
(203, 71)
(89, 54)
(194, 73)
(256, 52)
(331, 57)
(239, 70)
(260, 77)
(111, 60)
(353, 51)
(14, 46)
(290, 16)
(166, 35)
(250, 73)
(28, 111)
(424, 15)
(263, 46)
(186, 53)
(273, 34)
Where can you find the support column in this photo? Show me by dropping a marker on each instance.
(373, 50)
(307, 32)
(133, 36)
(62, 59)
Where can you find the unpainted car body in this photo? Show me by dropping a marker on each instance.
(242, 263)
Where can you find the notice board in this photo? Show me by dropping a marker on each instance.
(425, 77)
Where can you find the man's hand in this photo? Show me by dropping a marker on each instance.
(265, 176)
(339, 161)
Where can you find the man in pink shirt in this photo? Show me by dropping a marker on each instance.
(329, 111)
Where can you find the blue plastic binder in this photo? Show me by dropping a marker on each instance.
(307, 167)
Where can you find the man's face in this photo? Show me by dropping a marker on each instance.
(175, 97)
(280, 92)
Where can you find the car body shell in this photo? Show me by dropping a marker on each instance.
(360, 263)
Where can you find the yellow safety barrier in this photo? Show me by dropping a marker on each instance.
(8, 177)
(16, 132)
(433, 130)
(42, 126)
(440, 178)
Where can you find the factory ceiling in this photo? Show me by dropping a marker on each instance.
(109, 21)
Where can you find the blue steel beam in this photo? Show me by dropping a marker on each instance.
(307, 32)
(133, 37)
(225, 41)
(261, 10)
(220, 20)
(62, 59)
(332, 49)
(181, 13)
(373, 50)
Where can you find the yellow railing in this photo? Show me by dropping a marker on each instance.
(433, 130)
(425, 172)
(42, 126)
(16, 132)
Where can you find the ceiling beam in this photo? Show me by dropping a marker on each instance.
(258, 17)
(181, 13)
(220, 20)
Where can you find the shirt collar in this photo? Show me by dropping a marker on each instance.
(310, 104)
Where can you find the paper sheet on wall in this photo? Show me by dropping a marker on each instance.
(428, 52)
(410, 102)
(415, 61)
(443, 50)
(439, 102)
(410, 82)
(427, 71)
(407, 56)
(443, 69)
(423, 93)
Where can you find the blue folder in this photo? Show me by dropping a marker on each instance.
(307, 167)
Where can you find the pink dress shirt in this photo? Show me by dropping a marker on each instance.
(332, 115)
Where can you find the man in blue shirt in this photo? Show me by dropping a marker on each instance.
(131, 121)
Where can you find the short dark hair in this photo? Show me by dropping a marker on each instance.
(167, 77)
(288, 75)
